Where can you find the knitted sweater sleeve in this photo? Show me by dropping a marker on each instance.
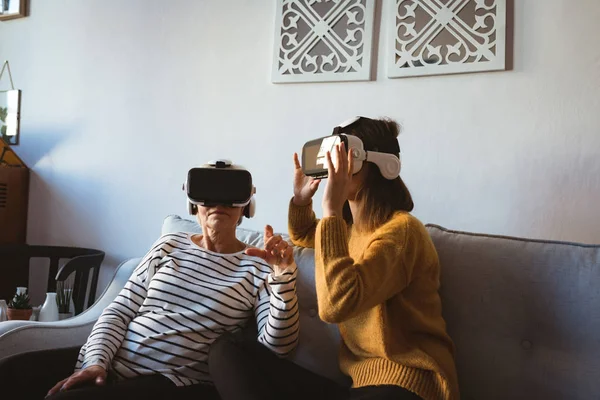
(302, 225)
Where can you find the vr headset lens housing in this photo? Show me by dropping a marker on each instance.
(214, 186)
(314, 162)
(314, 153)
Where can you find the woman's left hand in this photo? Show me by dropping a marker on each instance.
(277, 252)
(338, 181)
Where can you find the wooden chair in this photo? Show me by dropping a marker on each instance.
(85, 263)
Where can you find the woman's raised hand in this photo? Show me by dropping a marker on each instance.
(305, 187)
(277, 252)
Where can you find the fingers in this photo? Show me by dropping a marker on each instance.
(342, 160)
(92, 374)
(254, 252)
(296, 161)
(288, 255)
(277, 248)
(283, 255)
(350, 163)
(75, 380)
(272, 242)
(330, 169)
(280, 248)
(56, 387)
(268, 232)
(272, 245)
(314, 185)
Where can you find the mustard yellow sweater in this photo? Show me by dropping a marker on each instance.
(381, 288)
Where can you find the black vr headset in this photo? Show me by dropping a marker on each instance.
(314, 153)
(220, 183)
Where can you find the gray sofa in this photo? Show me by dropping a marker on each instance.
(524, 315)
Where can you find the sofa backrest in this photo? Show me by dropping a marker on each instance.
(524, 315)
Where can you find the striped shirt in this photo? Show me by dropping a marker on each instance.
(179, 300)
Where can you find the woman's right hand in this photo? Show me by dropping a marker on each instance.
(305, 187)
(94, 374)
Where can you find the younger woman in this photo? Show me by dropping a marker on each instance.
(377, 275)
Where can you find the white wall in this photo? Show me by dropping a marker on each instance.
(120, 98)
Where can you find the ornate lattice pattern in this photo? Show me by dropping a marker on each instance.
(446, 36)
(323, 40)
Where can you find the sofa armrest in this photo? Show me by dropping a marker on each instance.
(21, 336)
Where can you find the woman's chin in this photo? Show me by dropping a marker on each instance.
(220, 221)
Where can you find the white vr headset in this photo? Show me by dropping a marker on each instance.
(314, 152)
(220, 183)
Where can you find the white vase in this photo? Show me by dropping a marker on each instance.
(49, 311)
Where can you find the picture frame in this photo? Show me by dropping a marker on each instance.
(12, 9)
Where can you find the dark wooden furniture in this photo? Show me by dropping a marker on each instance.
(14, 200)
(84, 263)
(14, 196)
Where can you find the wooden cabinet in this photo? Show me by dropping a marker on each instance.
(14, 200)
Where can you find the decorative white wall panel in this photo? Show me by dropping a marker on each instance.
(430, 37)
(323, 40)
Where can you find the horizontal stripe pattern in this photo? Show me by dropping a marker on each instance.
(179, 300)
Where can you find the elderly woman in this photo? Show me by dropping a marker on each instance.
(153, 340)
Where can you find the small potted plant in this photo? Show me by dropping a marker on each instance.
(63, 299)
(19, 308)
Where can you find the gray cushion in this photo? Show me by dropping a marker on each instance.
(524, 315)
(319, 342)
